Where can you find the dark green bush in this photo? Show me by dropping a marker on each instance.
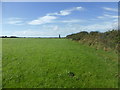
(109, 39)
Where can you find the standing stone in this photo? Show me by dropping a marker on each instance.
(59, 36)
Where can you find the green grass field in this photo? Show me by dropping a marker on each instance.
(0, 63)
(56, 63)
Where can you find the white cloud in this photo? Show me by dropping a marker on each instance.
(100, 17)
(55, 30)
(110, 16)
(66, 11)
(43, 31)
(71, 21)
(51, 20)
(15, 21)
(105, 16)
(110, 9)
(101, 27)
(27, 33)
(50, 17)
(43, 20)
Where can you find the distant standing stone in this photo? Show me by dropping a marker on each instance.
(59, 36)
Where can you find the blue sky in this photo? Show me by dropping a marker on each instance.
(49, 19)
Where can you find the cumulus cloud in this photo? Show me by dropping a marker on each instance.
(110, 9)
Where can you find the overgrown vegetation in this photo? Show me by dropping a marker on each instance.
(107, 40)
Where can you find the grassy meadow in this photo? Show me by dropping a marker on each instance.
(56, 63)
(0, 63)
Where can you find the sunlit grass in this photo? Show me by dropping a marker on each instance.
(0, 63)
(48, 63)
